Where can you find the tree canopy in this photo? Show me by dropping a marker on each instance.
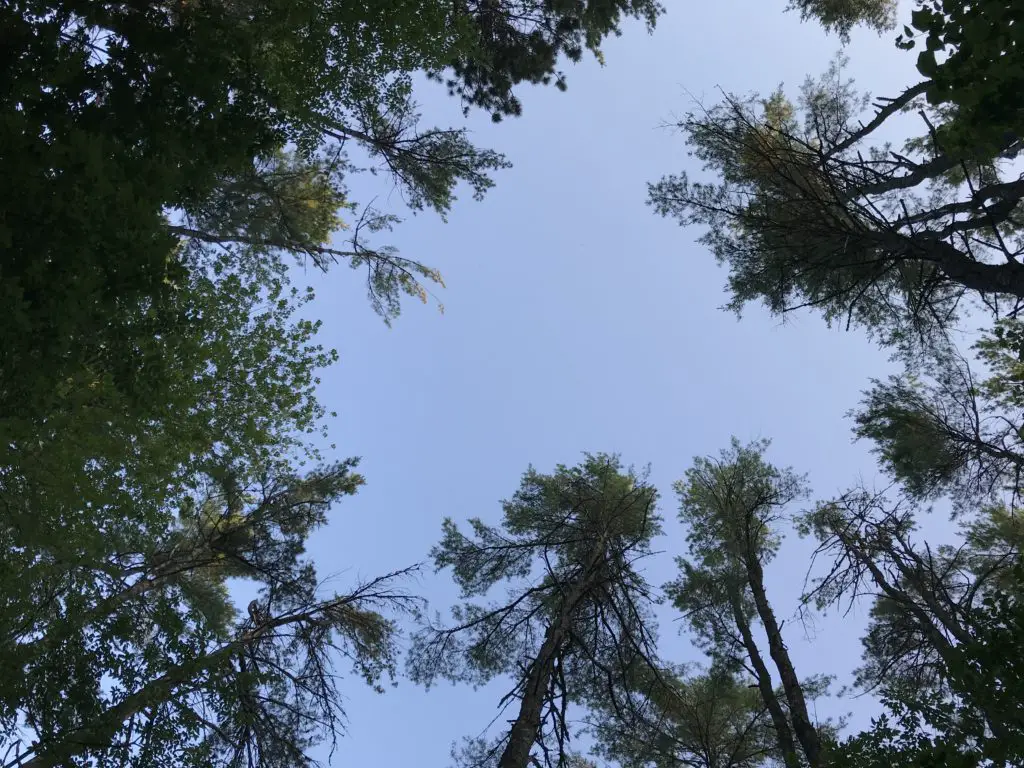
(576, 620)
(731, 506)
(144, 140)
(809, 209)
(166, 458)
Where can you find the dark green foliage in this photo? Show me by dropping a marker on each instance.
(841, 16)
(126, 128)
(709, 720)
(973, 56)
(233, 375)
(807, 212)
(899, 657)
(186, 677)
(170, 464)
(928, 599)
(929, 730)
(941, 430)
(523, 40)
(166, 163)
(117, 112)
(808, 209)
(909, 427)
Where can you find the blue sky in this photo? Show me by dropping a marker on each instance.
(576, 320)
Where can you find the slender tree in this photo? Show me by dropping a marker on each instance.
(576, 620)
(926, 597)
(731, 506)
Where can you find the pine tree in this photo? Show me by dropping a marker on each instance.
(731, 506)
(576, 620)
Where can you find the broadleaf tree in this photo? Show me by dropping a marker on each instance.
(973, 56)
(129, 518)
(134, 133)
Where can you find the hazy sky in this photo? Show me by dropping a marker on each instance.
(576, 320)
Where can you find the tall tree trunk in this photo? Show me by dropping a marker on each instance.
(102, 730)
(99, 733)
(939, 641)
(783, 733)
(805, 731)
(527, 724)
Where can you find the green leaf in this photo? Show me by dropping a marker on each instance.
(926, 63)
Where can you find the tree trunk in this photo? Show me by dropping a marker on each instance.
(99, 733)
(805, 731)
(1006, 278)
(102, 730)
(527, 723)
(942, 645)
(783, 734)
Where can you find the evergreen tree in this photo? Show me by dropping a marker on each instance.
(732, 506)
(713, 719)
(810, 209)
(576, 620)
